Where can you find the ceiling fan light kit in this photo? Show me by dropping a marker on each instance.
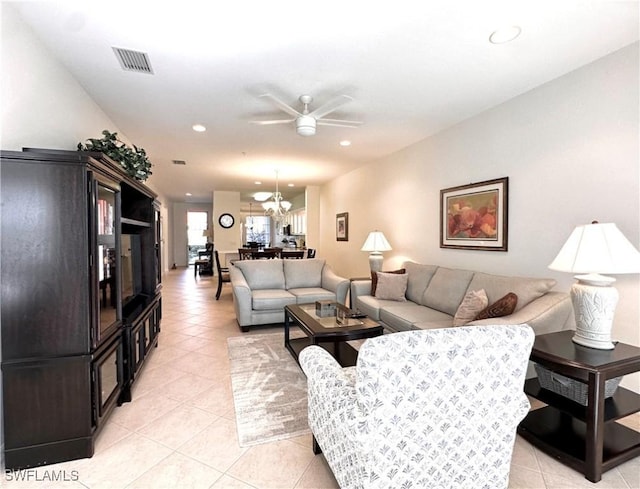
(306, 121)
(305, 125)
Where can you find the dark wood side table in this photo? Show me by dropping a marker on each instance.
(586, 438)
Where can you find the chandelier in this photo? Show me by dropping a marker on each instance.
(277, 209)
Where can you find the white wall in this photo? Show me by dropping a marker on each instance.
(43, 106)
(227, 239)
(312, 204)
(570, 150)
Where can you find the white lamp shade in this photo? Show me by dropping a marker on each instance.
(597, 248)
(376, 242)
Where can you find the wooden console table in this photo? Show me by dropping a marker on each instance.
(586, 438)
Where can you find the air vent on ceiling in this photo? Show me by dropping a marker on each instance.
(179, 162)
(133, 60)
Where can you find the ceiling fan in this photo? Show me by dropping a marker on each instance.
(306, 121)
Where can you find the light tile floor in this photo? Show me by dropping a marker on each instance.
(179, 430)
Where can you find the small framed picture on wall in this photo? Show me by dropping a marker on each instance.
(342, 226)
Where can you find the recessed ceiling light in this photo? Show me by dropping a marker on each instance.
(258, 183)
(291, 185)
(199, 128)
(188, 194)
(505, 34)
(345, 143)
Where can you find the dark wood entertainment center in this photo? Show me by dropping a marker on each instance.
(81, 298)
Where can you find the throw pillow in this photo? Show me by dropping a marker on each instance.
(502, 307)
(474, 302)
(392, 286)
(374, 279)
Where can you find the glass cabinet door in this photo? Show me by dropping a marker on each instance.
(106, 265)
(158, 243)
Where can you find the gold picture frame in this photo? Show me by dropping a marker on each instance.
(475, 216)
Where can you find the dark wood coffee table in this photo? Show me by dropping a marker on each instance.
(327, 332)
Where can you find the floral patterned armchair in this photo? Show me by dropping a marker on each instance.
(430, 408)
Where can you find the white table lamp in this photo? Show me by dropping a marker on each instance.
(591, 250)
(376, 243)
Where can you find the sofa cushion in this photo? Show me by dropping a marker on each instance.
(497, 286)
(419, 278)
(307, 295)
(268, 299)
(474, 302)
(502, 307)
(374, 279)
(447, 289)
(392, 286)
(262, 274)
(403, 316)
(303, 273)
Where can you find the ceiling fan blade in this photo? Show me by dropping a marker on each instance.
(339, 121)
(330, 106)
(281, 105)
(269, 123)
(323, 122)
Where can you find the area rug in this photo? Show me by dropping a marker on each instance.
(269, 389)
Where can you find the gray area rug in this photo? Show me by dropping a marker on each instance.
(269, 389)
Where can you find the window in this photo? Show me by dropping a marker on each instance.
(197, 223)
(258, 230)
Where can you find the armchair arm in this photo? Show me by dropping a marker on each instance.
(336, 284)
(322, 370)
(241, 296)
(332, 414)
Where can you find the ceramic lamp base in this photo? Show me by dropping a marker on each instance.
(594, 307)
(375, 262)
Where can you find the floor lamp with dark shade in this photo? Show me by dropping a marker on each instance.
(592, 250)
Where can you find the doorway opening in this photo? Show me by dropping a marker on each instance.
(197, 225)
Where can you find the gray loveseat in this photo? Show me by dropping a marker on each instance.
(261, 288)
(434, 294)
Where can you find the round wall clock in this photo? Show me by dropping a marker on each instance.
(226, 220)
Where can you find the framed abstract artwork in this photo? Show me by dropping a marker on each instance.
(342, 226)
(475, 216)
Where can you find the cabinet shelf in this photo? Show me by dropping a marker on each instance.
(548, 429)
(623, 403)
(135, 222)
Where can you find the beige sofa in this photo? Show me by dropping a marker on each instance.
(434, 294)
(261, 288)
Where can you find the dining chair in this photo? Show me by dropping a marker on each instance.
(261, 255)
(223, 274)
(298, 254)
(276, 250)
(246, 253)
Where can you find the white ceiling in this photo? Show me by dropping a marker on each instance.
(412, 67)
